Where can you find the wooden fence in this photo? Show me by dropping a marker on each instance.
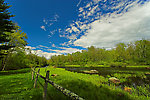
(66, 92)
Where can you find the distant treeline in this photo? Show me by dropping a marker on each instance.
(137, 53)
(19, 59)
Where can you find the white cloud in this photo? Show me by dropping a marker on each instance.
(43, 27)
(109, 30)
(64, 44)
(41, 46)
(40, 53)
(45, 21)
(30, 47)
(65, 50)
(80, 9)
(96, 1)
(53, 45)
(55, 18)
(72, 37)
(44, 54)
(53, 32)
(75, 29)
(92, 10)
(79, 3)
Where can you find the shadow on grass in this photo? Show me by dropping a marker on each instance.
(9, 72)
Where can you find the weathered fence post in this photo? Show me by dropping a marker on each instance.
(36, 78)
(45, 69)
(33, 73)
(45, 85)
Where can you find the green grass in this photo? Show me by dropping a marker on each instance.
(72, 66)
(141, 66)
(89, 87)
(17, 85)
(86, 65)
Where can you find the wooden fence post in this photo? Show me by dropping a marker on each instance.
(33, 73)
(45, 85)
(36, 78)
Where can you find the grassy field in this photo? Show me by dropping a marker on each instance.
(141, 66)
(17, 85)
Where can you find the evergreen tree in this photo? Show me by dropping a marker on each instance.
(6, 27)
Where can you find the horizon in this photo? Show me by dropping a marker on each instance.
(60, 27)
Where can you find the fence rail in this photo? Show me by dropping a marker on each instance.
(66, 92)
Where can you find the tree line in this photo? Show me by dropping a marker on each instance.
(13, 51)
(135, 53)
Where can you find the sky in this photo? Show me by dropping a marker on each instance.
(56, 27)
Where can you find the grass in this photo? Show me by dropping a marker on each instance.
(72, 66)
(140, 66)
(87, 86)
(17, 85)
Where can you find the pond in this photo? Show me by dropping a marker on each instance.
(104, 71)
(134, 76)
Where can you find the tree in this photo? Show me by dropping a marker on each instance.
(142, 54)
(6, 27)
(120, 52)
(130, 51)
(17, 41)
(16, 60)
(92, 53)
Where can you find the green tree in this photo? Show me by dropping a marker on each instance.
(6, 27)
(130, 53)
(142, 54)
(92, 53)
(17, 60)
(17, 41)
(120, 52)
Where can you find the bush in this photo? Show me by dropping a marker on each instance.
(102, 63)
(117, 64)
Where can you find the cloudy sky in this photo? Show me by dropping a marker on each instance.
(57, 27)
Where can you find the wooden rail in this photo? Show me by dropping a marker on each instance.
(66, 92)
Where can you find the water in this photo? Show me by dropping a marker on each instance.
(108, 71)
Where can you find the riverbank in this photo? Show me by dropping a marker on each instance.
(90, 87)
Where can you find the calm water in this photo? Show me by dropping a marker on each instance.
(105, 71)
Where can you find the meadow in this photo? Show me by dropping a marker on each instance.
(18, 85)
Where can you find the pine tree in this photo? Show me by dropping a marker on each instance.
(6, 27)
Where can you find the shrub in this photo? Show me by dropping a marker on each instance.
(117, 64)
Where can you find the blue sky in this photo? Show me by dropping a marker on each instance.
(65, 26)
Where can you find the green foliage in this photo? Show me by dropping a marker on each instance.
(16, 60)
(117, 64)
(136, 53)
(6, 27)
(35, 60)
(19, 59)
(16, 54)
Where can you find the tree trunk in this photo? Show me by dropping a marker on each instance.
(5, 60)
(4, 63)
